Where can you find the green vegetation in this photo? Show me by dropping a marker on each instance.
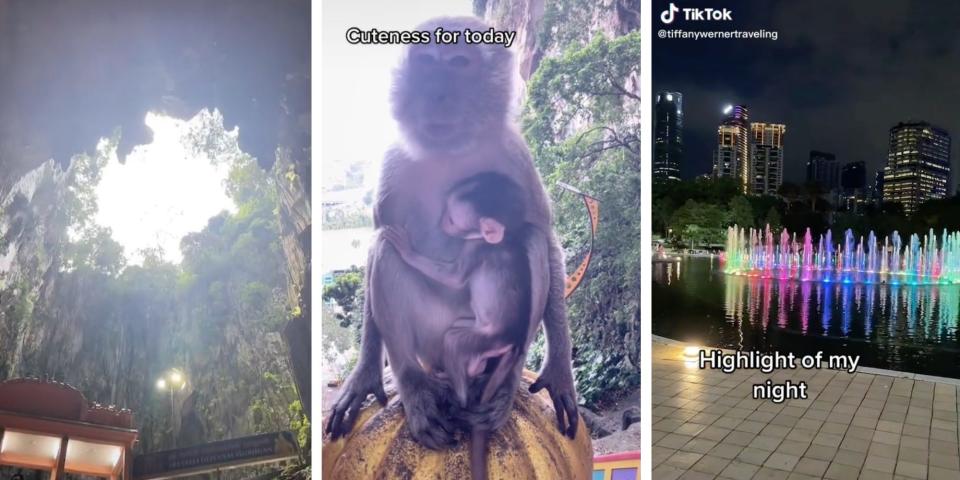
(695, 213)
(346, 293)
(582, 124)
(79, 312)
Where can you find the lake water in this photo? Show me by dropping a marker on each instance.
(907, 328)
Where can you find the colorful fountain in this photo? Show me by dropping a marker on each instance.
(926, 261)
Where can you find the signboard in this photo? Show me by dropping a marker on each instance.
(210, 457)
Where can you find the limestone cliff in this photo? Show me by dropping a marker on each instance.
(546, 28)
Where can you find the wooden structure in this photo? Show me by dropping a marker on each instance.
(50, 426)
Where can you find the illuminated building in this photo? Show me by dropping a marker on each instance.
(824, 170)
(668, 137)
(51, 427)
(876, 190)
(918, 165)
(731, 158)
(766, 158)
(853, 186)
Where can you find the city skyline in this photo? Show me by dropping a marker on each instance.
(752, 153)
(737, 136)
(732, 155)
(668, 136)
(766, 157)
(918, 165)
(839, 75)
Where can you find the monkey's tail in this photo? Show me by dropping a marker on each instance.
(479, 443)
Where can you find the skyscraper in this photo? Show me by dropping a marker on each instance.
(853, 185)
(853, 176)
(823, 170)
(918, 164)
(766, 158)
(668, 136)
(731, 158)
(876, 195)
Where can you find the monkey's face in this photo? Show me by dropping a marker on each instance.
(445, 97)
(460, 219)
(441, 98)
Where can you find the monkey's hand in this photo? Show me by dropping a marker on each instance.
(426, 421)
(558, 380)
(399, 239)
(363, 381)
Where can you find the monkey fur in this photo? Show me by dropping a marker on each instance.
(453, 106)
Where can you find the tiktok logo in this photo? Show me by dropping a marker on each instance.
(667, 15)
(697, 14)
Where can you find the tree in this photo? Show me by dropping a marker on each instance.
(110, 328)
(581, 120)
(813, 192)
(790, 192)
(773, 219)
(699, 224)
(741, 213)
(347, 292)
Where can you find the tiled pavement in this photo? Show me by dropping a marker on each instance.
(706, 425)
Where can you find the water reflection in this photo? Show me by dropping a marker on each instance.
(875, 313)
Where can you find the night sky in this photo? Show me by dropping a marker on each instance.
(840, 74)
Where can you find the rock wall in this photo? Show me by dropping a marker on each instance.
(546, 28)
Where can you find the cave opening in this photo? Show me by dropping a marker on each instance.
(168, 188)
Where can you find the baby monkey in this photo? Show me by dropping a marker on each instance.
(486, 210)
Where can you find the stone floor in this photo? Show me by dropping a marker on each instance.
(871, 426)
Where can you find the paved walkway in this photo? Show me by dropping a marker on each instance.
(707, 425)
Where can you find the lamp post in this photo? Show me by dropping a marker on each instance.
(172, 381)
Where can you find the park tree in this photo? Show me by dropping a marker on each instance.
(346, 292)
(741, 212)
(773, 220)
(582, 122)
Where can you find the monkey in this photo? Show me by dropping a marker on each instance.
(452, 104)
(487, 211)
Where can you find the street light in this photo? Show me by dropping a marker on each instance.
(172, 381)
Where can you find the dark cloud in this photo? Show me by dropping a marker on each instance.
(839, 76)
(72, 71)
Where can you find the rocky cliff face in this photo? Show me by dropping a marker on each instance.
(27, 259)
(546, 28)
(112, 332)
(292, 175)
(72, 73)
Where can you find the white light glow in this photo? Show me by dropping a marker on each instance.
(727, 109)
(92, 457)
(33, 449)
(161, 384)
(161, 193)
(669, 97)
(358, 125)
